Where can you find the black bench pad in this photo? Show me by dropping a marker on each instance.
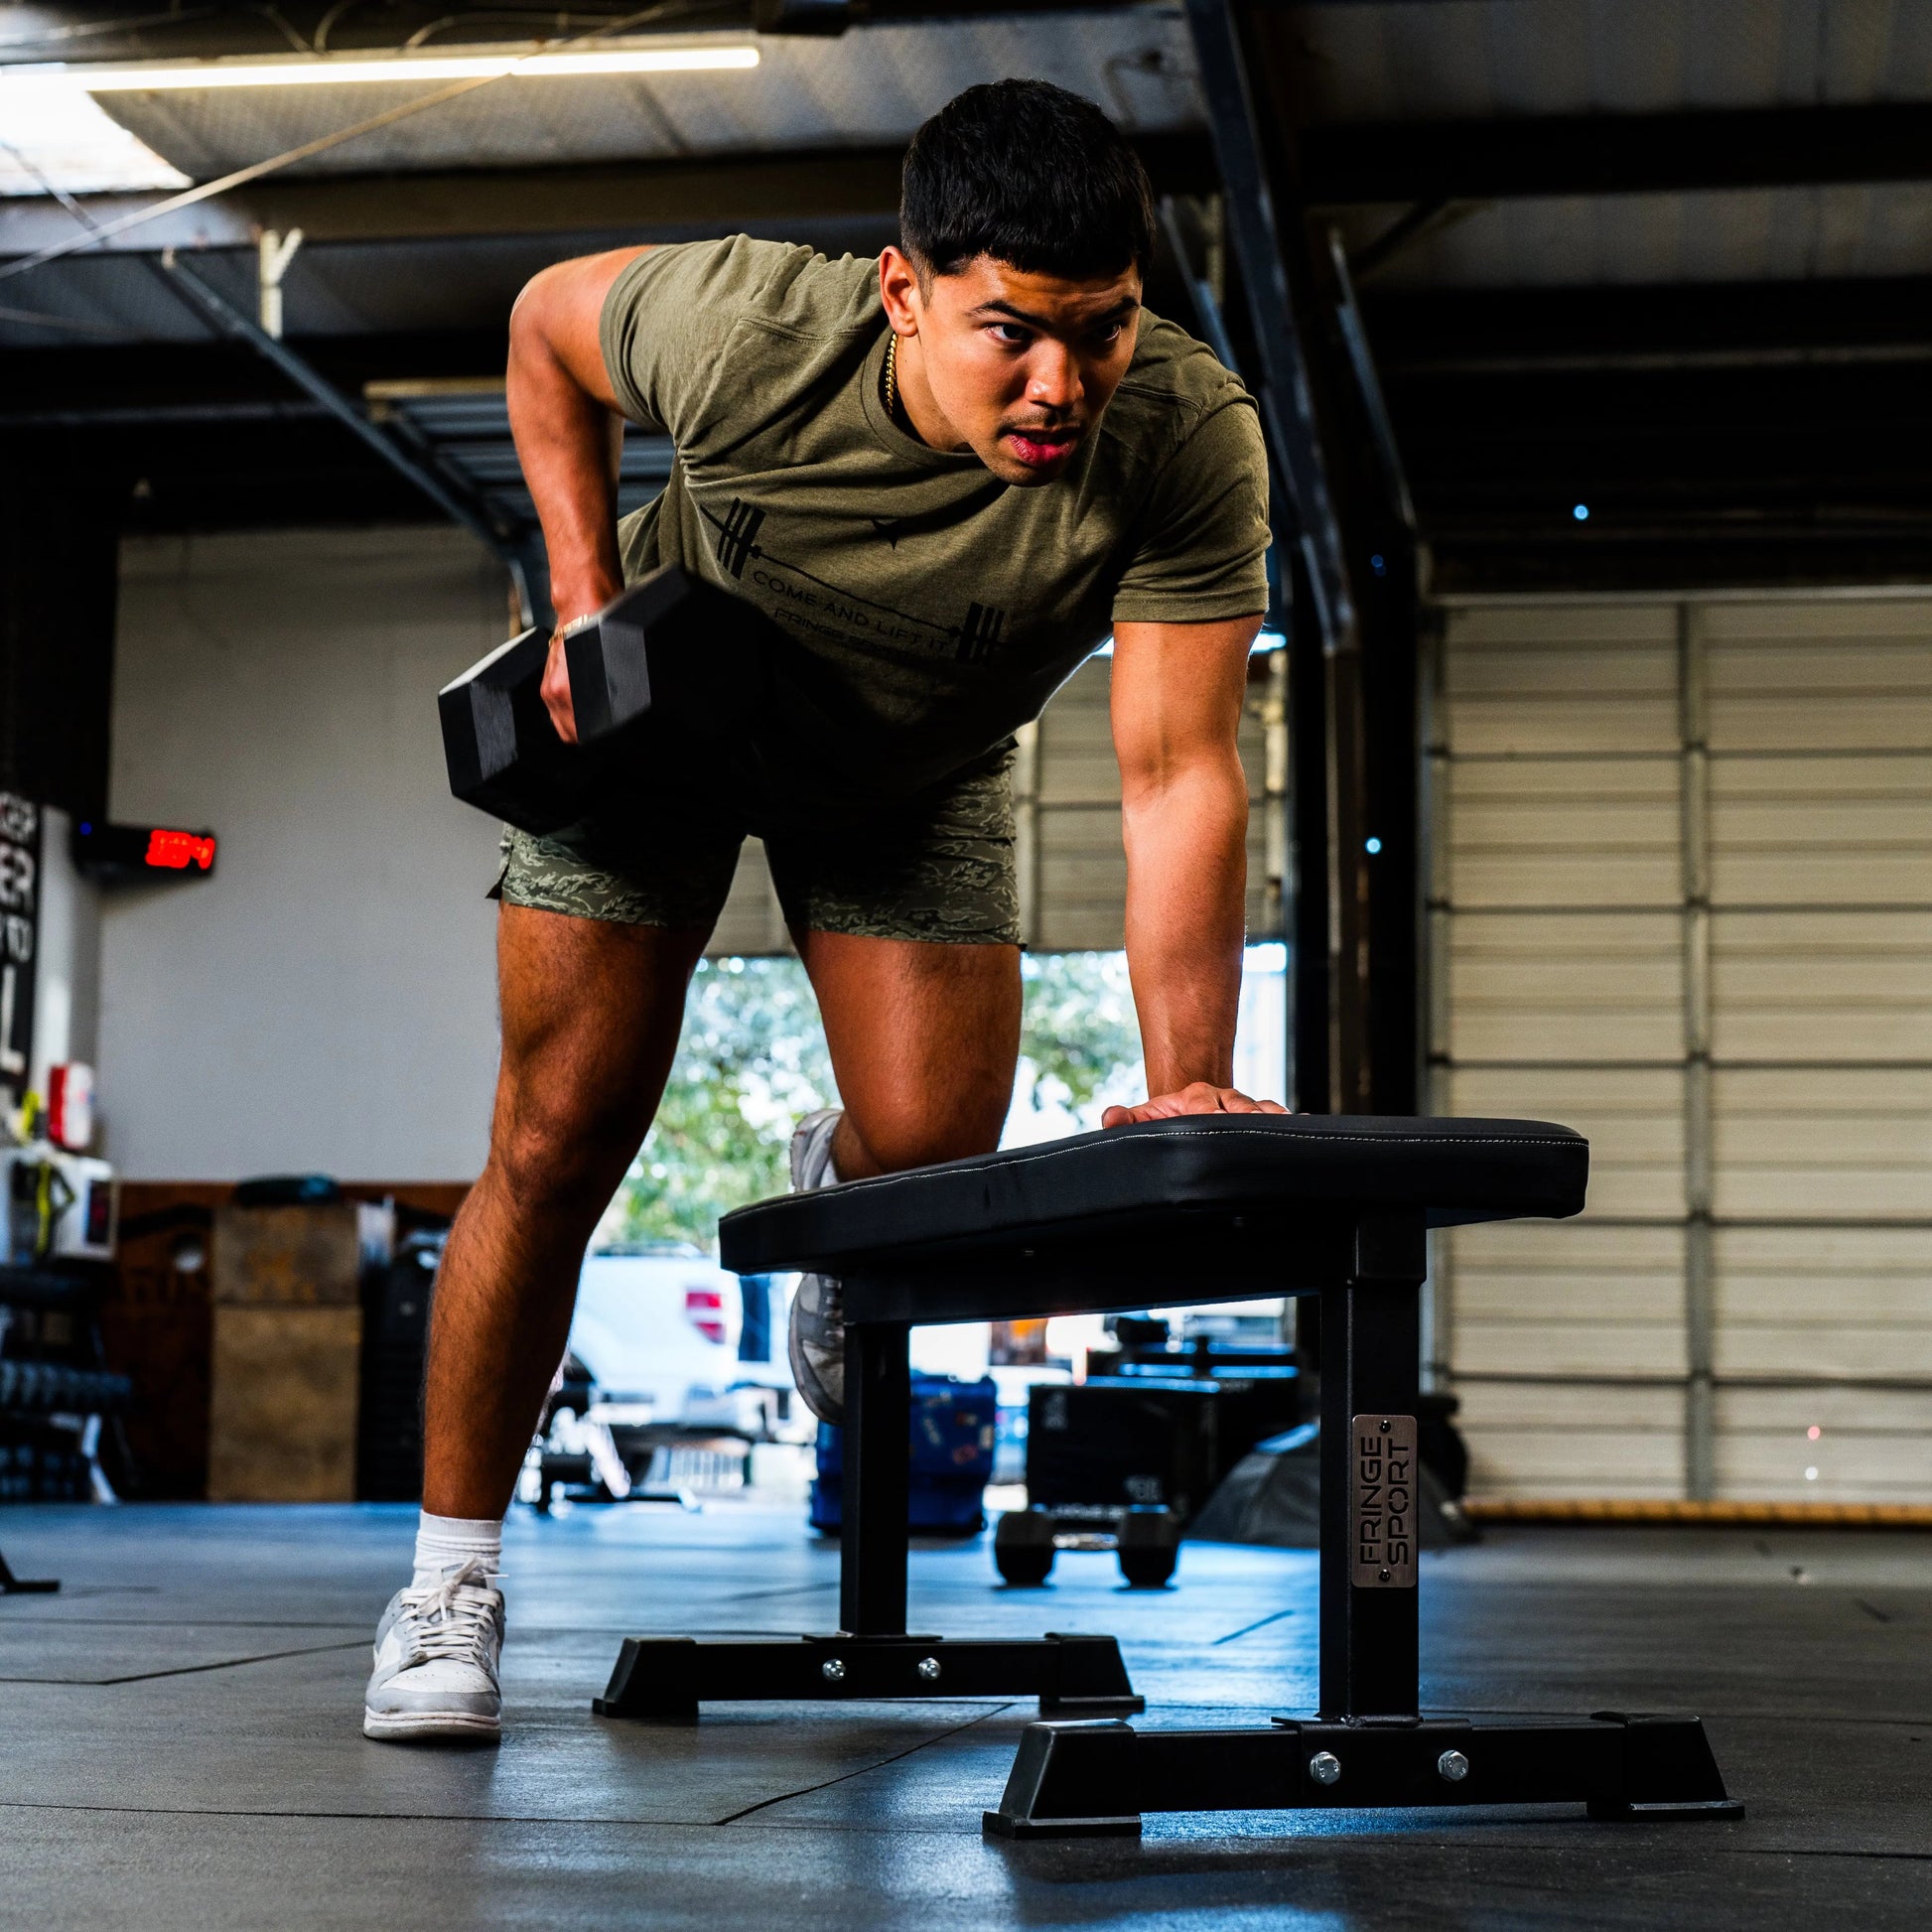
(1157, 1175)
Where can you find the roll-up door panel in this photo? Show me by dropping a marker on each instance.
(1633, 1117)
(1822, 986)
(1082, 877)
(1583, 832)
(1828, 830)
(1558, 1440)
(1766, 1453)
(1828, 1143)
(1077, 741)
(1815, 675)
(1684, 892)
(1560, 873)
(1542, 681)
(1542, 987)
(1776, 1286)
(751, 921)
(1531, 1297)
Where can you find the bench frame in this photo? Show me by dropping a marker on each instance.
(1085, 1771)
(665, 1680)
(1369, 1746)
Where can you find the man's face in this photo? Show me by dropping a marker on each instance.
(1018, 367)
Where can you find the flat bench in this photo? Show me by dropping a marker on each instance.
(1215, 1207)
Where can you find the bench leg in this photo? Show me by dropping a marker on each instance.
(666, 1680)
(1371, 1349)
(878, 1422)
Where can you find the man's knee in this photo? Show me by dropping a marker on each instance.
(891, 1139)
(554, 1147)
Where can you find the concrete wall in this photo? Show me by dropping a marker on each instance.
(324, 1002)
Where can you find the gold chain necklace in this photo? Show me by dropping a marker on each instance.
(892, 375)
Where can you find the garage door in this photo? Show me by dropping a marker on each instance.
(1681, 900)
(1066, 795)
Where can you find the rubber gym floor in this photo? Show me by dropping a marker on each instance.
(180, 1744)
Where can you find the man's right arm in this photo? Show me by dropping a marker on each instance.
(568, 429)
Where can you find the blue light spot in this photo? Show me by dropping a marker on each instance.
(86, 828)
(1581, 512)
(1379, 564)
(1372, 846)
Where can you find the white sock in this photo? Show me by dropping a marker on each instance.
(448, 1542)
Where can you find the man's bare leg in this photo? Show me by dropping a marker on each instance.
(591, 1014)
(924, 1039)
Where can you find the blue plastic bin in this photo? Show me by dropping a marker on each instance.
(953, 1427)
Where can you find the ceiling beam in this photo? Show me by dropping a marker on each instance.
(645, 200)
(114, 31)
(1614, 154)
(1651, 325)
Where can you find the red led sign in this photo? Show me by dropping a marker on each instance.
(176, 851)
(131, 855)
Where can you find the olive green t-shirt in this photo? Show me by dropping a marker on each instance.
(930, 608)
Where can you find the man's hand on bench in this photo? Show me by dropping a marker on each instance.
(1202, 1097)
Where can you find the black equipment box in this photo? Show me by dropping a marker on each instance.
(1111, 1443)
(1255, 1402)
(395, 1338)
(1152, 1434)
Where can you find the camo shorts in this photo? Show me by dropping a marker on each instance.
(938, 865)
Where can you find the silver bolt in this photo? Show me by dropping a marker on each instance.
(1325, 1767)
(1453, 1768)
(930, 1669)
(833, 1670)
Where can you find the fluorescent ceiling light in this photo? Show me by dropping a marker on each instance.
(56, 137)
(348, 72)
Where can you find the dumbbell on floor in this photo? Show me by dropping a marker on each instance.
(668, 654)
(1146, 1538)
(1022, 1547)
(1148, 1542)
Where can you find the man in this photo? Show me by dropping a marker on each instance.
(947, 475)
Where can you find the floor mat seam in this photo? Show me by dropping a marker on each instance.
(845, 1777)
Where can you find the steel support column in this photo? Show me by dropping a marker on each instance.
(1355, 577)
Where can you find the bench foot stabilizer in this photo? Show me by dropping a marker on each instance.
(1098, 1779)
(664, 1680)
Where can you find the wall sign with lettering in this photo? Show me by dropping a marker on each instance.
(1382, 1501)
(127, 855)
(19, 918)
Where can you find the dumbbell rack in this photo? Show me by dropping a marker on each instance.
(666, 1680)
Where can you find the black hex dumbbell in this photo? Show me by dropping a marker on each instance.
(1023, 1548)
(671, 654)
(1148, 1540)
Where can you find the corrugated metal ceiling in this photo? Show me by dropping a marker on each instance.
(1737, 235)
(1450, 58)
(873, 87)
(1485, 58)
(1358, 62)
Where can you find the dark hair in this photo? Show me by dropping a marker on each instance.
(1031, 174)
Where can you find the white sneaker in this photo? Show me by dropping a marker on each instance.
(815, 1334)
(436, 1661)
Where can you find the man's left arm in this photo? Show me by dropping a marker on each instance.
(1178, 693)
